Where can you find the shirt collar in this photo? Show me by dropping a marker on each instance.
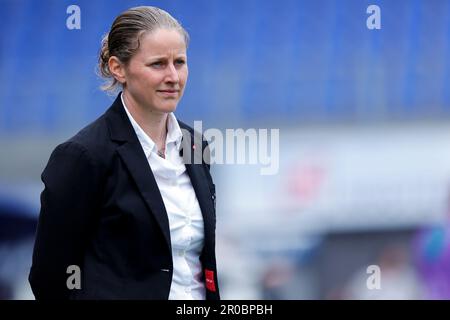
(174, 133)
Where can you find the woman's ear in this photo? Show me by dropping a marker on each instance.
(117, 69)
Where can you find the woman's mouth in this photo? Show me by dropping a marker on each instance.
(169, 92)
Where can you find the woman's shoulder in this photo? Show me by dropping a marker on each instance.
(93, 134)
(91, 141)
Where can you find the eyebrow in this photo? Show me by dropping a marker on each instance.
(182, 55)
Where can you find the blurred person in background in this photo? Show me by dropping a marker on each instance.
(277, 279)
(398, 278)
(123, 199)
(432, 246)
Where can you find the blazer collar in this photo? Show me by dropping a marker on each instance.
(120, 128)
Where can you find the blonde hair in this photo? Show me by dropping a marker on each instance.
(123, 38)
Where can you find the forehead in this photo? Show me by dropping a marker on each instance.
(162, 42)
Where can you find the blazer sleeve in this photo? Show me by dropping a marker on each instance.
(66, 220)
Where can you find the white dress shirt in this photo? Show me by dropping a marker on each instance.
(185, 217)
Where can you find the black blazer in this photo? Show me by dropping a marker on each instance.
(101, 210)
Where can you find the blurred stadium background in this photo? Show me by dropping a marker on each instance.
(364, 119)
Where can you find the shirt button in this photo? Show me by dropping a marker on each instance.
(188, 221)
(188, 289)
(181, 253)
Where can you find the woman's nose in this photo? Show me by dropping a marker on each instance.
(172, 73)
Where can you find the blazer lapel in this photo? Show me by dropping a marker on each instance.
(134, 158)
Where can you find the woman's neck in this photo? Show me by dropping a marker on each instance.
(153, 123)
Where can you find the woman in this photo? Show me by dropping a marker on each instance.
(124, 202)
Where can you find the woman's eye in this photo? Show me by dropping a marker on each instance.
(180, 62)
(157, 64)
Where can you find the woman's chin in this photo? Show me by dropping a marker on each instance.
(167, 107)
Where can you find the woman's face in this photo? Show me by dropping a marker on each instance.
(156, 75)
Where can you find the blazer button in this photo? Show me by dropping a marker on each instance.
(165, 270)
